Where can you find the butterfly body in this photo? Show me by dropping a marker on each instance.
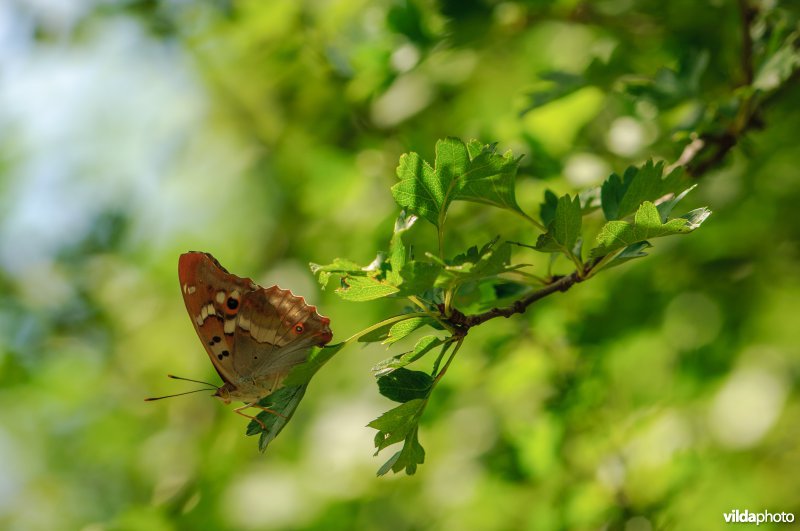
(254, 336)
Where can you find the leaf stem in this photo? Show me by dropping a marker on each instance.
(440, 236)
(531, 220)
(429, 313)
(390, 320)
(449, 360)
(445, 347)
(448, 301)
(523, 274)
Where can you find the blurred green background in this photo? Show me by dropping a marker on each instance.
(657, 396)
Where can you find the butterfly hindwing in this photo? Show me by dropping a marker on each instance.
(213, 298)
(275, 331)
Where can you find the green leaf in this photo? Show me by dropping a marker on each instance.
(411, 455)
(475, 265)
(302, 374)
(665, 208)
(418, 277)
(621, 196)
(564, 229)
(547, 210)
(402, 385)
(359, 289)
(423, 346)
(398, 254)
(283, 401)
(629, 253)
(646, 225)
(339, 265)
(400, 330)
(398, 423)
(463, 172)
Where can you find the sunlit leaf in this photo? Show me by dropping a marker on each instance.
(464, 172)
(359, 289)
(646, 225)
(621, 196)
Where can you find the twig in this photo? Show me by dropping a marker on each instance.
(748, 14)
(465, 322)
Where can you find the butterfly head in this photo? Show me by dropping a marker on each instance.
(224, 393)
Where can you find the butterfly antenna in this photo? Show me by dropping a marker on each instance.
(210, 387)
(170, 396)
(190, 380)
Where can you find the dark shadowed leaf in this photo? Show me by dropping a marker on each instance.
(564, 228)
(402, 385)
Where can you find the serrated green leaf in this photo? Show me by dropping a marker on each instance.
(564, 229)
(359, 289)
(400, 330)
(475, 265)
(461, 172)
(397, 423)
(410, 455)
(423, 346)
(621, 196)
(646, 225)
(419, 191)
(402, 385)
(283, 401)
(547, 210)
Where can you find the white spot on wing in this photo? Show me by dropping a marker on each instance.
(230, 326)
(190, 290)
(220, 297)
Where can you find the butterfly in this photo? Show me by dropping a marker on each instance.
(254, 336)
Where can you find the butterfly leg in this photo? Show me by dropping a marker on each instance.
(238, 411)
(268, 410)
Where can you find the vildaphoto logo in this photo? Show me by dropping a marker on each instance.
(746, 517)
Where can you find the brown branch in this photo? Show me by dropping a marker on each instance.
(462, 323)
(519, 306)
(748, 13)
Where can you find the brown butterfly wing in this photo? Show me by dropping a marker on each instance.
(213, 298)
(275, 331)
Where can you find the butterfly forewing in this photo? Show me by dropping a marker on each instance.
(213, 298)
